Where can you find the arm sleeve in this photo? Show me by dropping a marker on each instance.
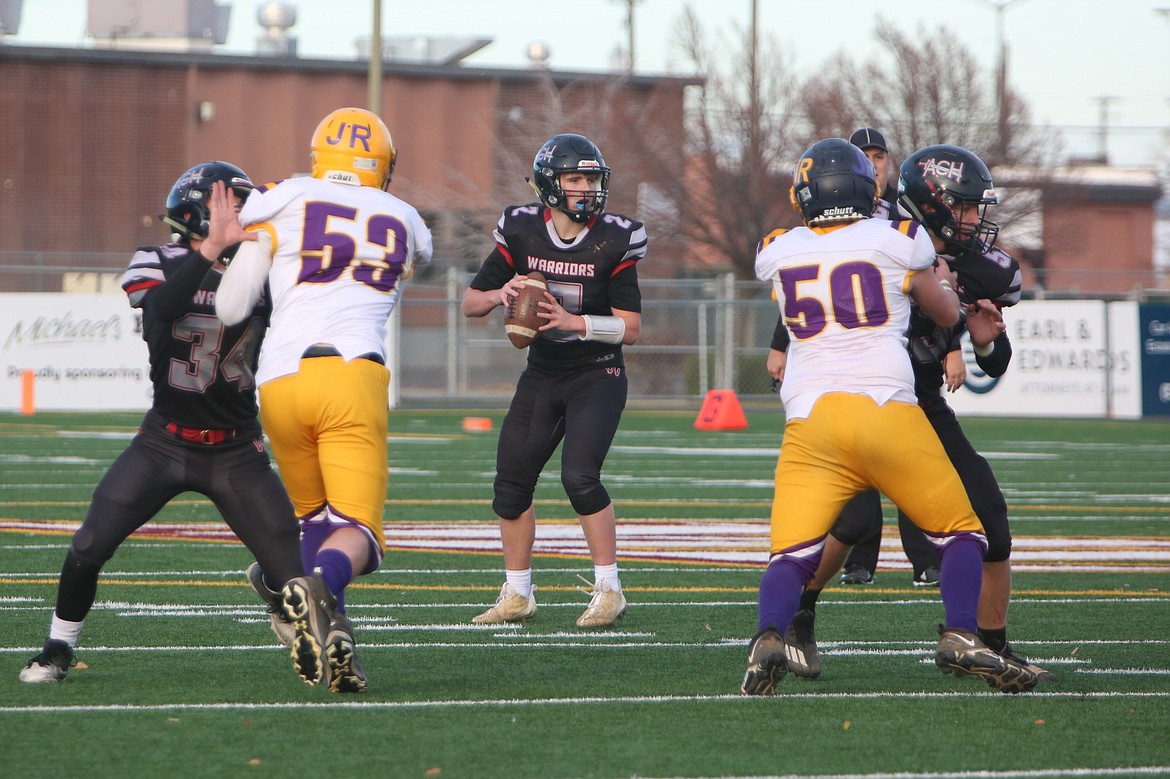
(996, 363)
(243, 281)
(169, 300)
(780, 336)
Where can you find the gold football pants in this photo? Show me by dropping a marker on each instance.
(849, 443)
(327, 426)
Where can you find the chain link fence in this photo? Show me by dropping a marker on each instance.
(696, 335)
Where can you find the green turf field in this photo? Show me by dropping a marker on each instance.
(181, 676)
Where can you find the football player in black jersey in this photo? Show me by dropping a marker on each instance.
(947, 189)
(201, 433)
(574, 387)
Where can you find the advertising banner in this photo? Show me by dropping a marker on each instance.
(1066, 362)
(84, 351)
(1154, 324)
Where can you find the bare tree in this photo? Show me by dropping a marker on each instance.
(926, 89)
(732, 187)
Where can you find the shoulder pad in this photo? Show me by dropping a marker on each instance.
(907, 227)
(772, 236)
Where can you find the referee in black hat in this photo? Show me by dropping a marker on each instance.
(873, 143)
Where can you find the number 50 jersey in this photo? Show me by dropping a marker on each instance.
(340, 254)
(843, 293)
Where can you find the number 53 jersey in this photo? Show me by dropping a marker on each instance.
(844, 296)
(340, 254)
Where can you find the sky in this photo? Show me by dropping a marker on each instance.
(1065, 56)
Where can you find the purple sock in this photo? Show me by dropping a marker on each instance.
(312, 536)
(780, 590)
(337, 571)
(960, 581)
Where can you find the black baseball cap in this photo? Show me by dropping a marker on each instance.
(868, 137)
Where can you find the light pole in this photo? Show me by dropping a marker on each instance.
(374, 71)
(629, 33)
(1000, 74)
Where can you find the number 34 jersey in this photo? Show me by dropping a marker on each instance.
(340, 254)
(844, 296)
(203, 372)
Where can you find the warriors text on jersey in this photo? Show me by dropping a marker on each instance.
(339, 257)
(594, 273)
(843, 295)
(203, 372)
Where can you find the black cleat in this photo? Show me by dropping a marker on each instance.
(51, 665)
(310, 607)
(766, 664)
(345, 672)
(800, 649)
(856, 573)
(1041, 674)
(281, 627)
(928, 578)
(962, 653)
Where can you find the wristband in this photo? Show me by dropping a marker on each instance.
(983, 351)
(606, 329)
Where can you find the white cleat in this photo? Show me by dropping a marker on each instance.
(511, 606)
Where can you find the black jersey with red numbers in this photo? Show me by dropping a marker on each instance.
(203, 372)
(594, 273)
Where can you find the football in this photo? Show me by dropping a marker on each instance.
(522, 320)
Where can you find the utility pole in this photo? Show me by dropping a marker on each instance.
(1001, 113)
(374, 76)
(1103, 127)
(630, 33)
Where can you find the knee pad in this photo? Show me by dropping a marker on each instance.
(999, 547)
(87, 551)
(590, 502)
(993, 514)
(510, 508)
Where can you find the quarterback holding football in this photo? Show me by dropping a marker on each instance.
(574, 387)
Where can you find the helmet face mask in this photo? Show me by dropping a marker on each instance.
(187, 212)
(948, 189)
(568, 153)
(834, 182)
(353, 146)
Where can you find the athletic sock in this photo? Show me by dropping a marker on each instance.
(607, 574)
(808, 599)
(995, 638)
(337, 571)
(64, 630)
(520, 581)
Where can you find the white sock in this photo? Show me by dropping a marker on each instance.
(607, 574)
(521, 581)
(64, 630)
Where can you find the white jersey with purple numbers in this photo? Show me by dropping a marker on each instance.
(339, 256)
(843, 293)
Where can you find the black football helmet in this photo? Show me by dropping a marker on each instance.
(935, 181)
(834, 182)
(563, 153)
(187, 209)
